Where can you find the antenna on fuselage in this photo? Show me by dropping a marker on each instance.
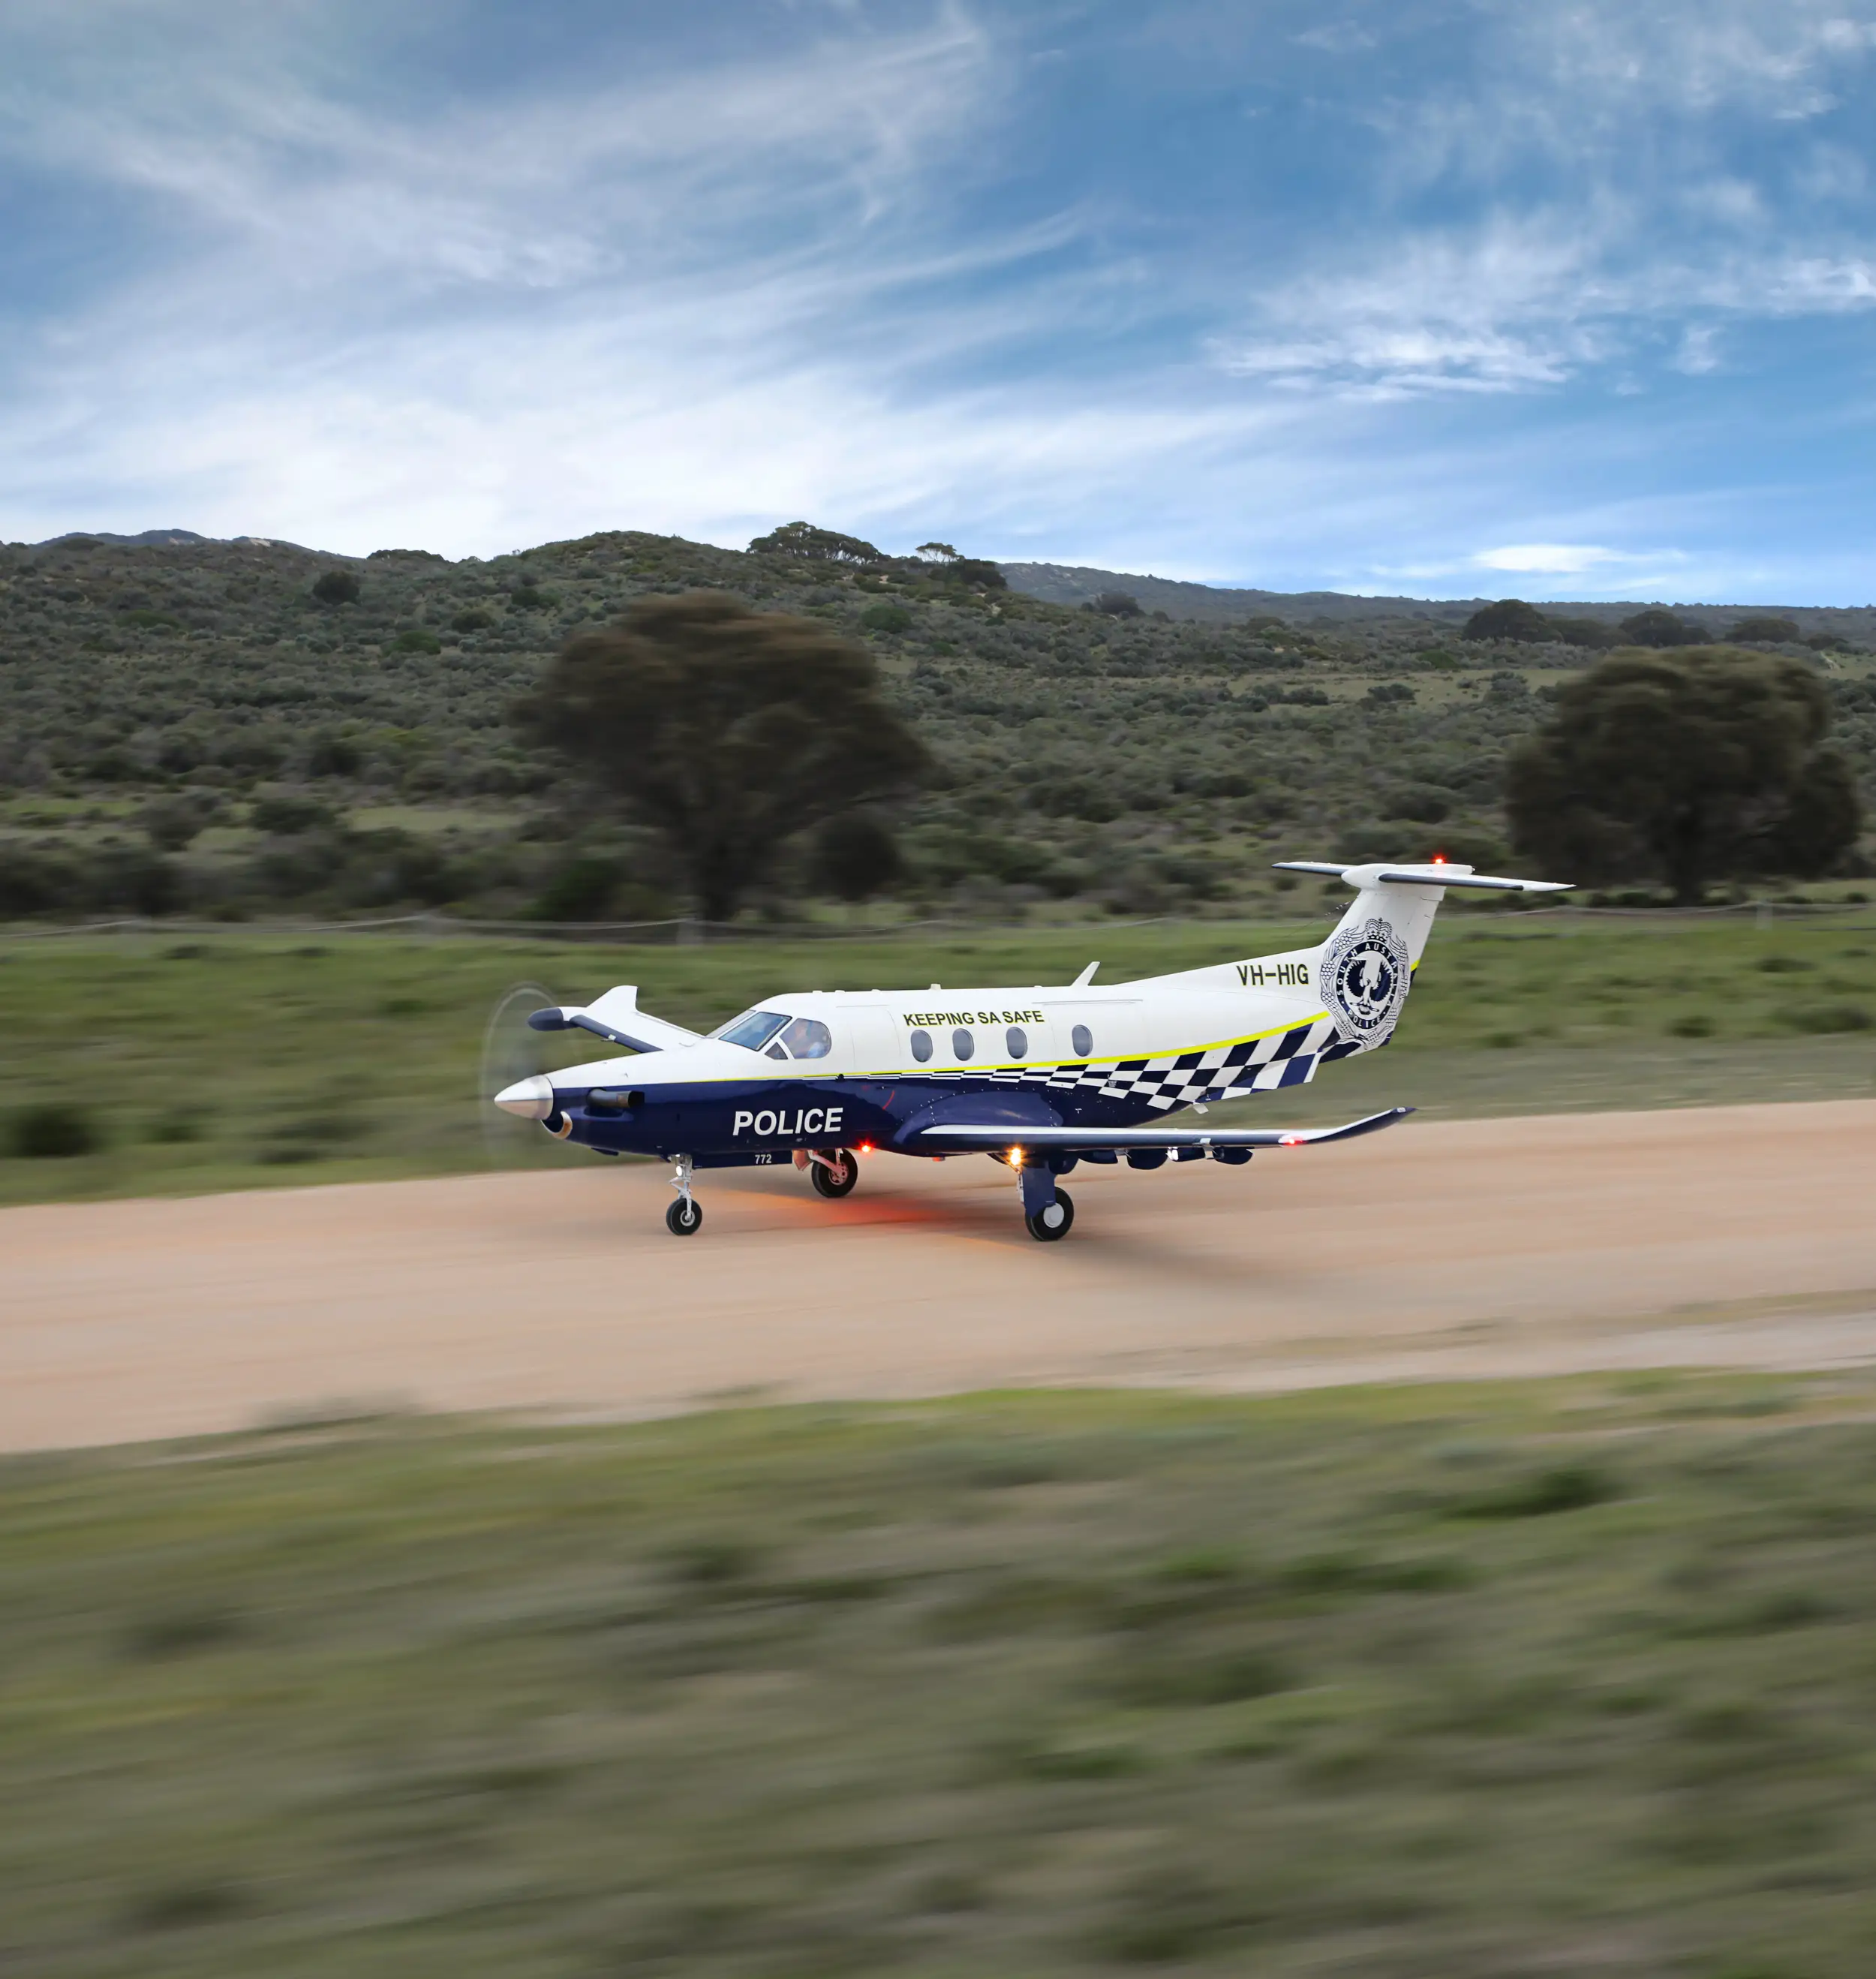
(1085, 977)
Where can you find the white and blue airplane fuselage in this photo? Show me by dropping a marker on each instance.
(1041, 1077)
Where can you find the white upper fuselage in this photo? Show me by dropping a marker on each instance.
(980, 1033)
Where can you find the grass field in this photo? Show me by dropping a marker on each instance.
(1564, 1680)
(249, 1057)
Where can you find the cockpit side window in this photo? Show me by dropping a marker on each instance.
(808, 1037)
(753, 1029)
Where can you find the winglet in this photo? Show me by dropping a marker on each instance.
(1085, 977)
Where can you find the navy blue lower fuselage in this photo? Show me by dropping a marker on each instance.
(751, 1123)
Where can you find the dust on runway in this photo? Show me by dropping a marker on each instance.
(1728, 1236)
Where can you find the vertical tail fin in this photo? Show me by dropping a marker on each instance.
(1366, 967)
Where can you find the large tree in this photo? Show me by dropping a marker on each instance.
(1683, 766)
(1509, 619)
(724, 730)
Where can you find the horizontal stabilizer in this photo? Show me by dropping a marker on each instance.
(1436, 873)
(996, 1138)
(617, 1017)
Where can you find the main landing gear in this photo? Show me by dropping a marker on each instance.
(1048, 1211)
(834, 1171)
(1053, 1220)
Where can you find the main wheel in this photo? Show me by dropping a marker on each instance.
(1049, 1225)
(835, 1179)
(685, 1217)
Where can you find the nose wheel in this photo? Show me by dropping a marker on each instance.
(834, 1174)
(1054, 1221)
(685, 1217)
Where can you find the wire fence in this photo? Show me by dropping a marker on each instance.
(680, 933)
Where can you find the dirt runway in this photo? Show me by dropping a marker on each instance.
(1742, 1236)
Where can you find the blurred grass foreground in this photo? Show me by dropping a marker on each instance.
(1568, 1679)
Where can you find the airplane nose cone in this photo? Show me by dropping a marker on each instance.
(528, 1099)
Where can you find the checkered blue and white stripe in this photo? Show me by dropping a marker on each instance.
(1179, 1079)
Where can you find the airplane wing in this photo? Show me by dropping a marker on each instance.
(617, 1017)
(993, 1138)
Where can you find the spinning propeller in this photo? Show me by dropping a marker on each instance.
(511, 1051)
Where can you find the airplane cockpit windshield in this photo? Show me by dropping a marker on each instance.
(753, 1029)
(785, 1037)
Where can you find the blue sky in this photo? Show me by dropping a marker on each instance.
(1561, 298)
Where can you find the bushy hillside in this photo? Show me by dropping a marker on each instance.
(226, 726)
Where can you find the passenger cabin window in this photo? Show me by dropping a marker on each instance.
(1082, 1039)
(962, 1044)
(753, 1029)
(922, 1046)
(1018, 1041)
(808, 1037)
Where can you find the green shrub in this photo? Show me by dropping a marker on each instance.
(582, 890)
(289, 817)
(1566, 1487)
(330, 754)
(176, 1127)
(886, 618)
(172, 823)
(53, 1131)
(1831, 1018)
(416, 639)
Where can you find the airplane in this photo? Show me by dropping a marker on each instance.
(1040, 1078)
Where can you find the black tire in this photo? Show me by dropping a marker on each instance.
(684, 1217)
(839, 1180)
(1042, 1231)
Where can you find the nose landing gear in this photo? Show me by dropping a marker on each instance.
(685, 1217)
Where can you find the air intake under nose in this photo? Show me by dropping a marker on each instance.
(528, 1099)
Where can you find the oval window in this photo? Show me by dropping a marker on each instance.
(921, 1046)
(1083, 1039)
(1018, 1041)
(962, 1044)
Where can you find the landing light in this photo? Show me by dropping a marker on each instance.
(1016, 1158)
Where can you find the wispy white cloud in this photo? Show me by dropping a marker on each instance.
(1511, 306)
(1552, 559)
(549, 185)
(1336, 38)
(1698, 352)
